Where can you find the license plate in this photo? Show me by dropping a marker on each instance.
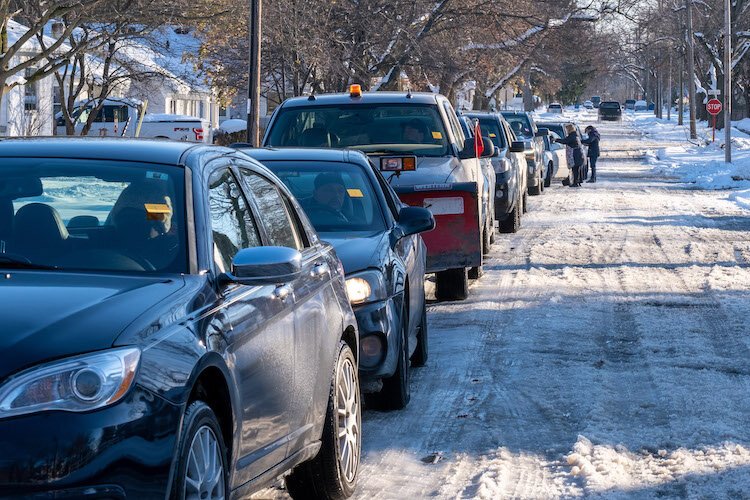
(444, 206)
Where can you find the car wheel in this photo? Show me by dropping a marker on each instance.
(537, 190)
(548, 178)
(486, 243)
(452, 284)
(332, 474)
(419, 358)
(541, 182)
(202, 470)
(396, 392)
(525, 202)
(513, 223)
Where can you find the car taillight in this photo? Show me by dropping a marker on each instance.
(198, 134)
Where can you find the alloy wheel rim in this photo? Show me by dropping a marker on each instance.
(348, 411)
(204, 474)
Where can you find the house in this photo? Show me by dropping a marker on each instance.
(27, 109)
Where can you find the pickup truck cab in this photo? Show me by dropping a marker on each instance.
(417, 142)
(525, 128)
(120, 118)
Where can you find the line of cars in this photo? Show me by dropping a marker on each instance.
(212, 313)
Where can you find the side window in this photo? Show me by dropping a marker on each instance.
(232, 223)
(455, 126)
(280, 226)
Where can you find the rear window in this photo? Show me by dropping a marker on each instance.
(381, 128)
(554, 127)
(610, 105)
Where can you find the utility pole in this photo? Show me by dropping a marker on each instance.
(691, 68)
(253, 90)
(728, 81)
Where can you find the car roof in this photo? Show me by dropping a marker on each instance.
(95, 148)
(366, 98)
(306, 154)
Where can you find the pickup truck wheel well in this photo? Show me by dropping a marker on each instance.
(350, 337)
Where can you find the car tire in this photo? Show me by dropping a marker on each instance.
(537, 190)
(476, 272)
(421, 353)
(512, 223)
(452, 284)
(396, 391)
(486, 243)
(525, 202)
(331, 475)
(201, 429)
(548, 177)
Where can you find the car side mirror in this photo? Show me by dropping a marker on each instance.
(488, 148)
(265, 266)
(517, 147)
(413, 220)
(542, 133)
(469, 151)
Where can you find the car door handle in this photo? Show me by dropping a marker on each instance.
(320, 269)
(282, 292)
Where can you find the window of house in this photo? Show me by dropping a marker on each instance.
(173, 106)
(30, 91)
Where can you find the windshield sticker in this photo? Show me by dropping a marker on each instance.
(355, 193)
(492, 135)
(157, 176)
(437, 135)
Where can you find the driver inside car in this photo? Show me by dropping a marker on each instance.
(414, 132)
(329, 198)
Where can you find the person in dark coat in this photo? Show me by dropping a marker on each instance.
(593, 143)
(574, 142)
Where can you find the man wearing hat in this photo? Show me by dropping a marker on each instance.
(328, 198)
(592, 141)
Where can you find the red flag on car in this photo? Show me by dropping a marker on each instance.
(478, 144)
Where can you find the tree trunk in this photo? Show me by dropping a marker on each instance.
(528, 94)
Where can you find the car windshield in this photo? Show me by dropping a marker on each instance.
(520, 125)
(491, 129)
(337, 197)
(387, 128)
(92, 215)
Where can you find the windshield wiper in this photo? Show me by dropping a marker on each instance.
(19, 262)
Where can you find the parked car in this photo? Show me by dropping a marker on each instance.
(509, 165)
(588, 105)
(417, 142)
(556, 159)
(630, 104)
(120, 118)
(469, 128)
(196, 342)
(525, 128)
(555, 108)
(640, 106)
(610, 110)
(377, 239)
(596, 100)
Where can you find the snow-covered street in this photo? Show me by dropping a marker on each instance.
(605, 352)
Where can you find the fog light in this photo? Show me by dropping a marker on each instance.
(372, 350)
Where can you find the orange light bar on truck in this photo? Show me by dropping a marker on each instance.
(355, 90)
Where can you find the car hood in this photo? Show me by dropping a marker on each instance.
(358, 253)
(445, 169)
(53, 315)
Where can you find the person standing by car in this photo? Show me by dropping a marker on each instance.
(592, 141)
(574, 142)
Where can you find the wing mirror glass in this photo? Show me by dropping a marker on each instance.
(265, 266)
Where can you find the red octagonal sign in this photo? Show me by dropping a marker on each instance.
(714, 106)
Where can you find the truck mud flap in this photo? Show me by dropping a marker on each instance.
(456, 240)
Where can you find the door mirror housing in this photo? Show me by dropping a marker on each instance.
(413, 220)
(469, 151)
(488, 149)
(265, 266)
(517, 147)
(542, 132)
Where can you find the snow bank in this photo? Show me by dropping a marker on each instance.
(699, 163)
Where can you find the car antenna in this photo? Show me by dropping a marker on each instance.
(408, 92)
(311, 97)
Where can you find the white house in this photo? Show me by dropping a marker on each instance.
(28, 108)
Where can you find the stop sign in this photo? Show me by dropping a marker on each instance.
(714, 107)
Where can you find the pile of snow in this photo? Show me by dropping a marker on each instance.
(606, 468)
(700, 163)
(232, 126)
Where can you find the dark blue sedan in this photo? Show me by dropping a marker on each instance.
(377, 238)
(172, 326)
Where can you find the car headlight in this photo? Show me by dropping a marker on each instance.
(77, 384)
(368, 286)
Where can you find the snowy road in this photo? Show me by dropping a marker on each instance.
(605, 352)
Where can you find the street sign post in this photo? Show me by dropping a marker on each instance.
(714, 107)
